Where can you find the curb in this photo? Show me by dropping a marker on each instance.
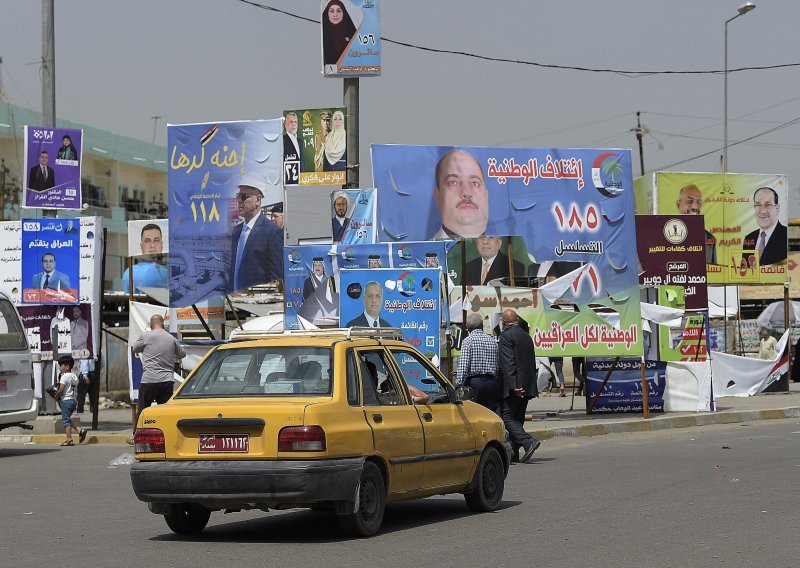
(58, 438)
(664, 423)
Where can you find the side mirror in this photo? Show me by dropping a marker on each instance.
(464, 393)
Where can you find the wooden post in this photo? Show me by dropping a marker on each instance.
(645, 391)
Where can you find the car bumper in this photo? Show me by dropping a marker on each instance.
(261, 483)
(17, 417)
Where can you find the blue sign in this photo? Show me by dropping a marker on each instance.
(403, 298)
(623, 391)
(220, 177)
(353, 216)
(50, 261)
(351, 38)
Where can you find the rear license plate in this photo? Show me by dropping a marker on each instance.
(224, 444)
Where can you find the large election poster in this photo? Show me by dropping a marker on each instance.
(50, 255)
(623, 391)
(69, 327)
(746, 218)
(220, 177)
(672, 252)
(568, 205)
(351, 38)
(354, 216)
(312, 274)
(407, 299)
(315, 146)
(53, 167)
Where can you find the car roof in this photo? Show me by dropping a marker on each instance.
(315, 338)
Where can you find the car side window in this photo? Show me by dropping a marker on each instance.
(378, 384)
(419, 373)
(352, 379)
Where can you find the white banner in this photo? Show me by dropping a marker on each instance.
(745, 376)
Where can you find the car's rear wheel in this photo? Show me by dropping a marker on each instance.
(488, 484)
(367, 518)
(187, 518)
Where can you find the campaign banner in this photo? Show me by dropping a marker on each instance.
(50, 255)
(623, 391)
(353, 216)
(672, 252)
(686, 343)
(312, 274)
(69, 326)
(568, 205)
(351, 38)
(220, 176)
(746, 218)
(407, 299)
(501, 261)
(53, 167)
(148, 237)
(315, 146)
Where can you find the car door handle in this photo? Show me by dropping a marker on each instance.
(427, 416)
(377, 418)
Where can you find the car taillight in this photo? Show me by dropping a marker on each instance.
(149, 441)
(301, 439)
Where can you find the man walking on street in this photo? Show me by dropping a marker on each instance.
(518, 373)
(159, 351)
(477, 364)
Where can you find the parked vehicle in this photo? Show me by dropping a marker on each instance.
(321, 419)
(17, 403)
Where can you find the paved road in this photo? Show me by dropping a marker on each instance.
(718, 495)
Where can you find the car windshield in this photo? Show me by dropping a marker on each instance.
(262, 371)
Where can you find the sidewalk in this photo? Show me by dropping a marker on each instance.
(547, 417)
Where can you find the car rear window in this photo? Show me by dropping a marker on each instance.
(12, 336)
(262, 372)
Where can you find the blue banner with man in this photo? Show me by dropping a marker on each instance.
(50, 261)
(572, 207)
(407, 299)
(220, 177)
(53, 167)
(353, 216)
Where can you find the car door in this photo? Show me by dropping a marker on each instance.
(396, 427)
(450, 446)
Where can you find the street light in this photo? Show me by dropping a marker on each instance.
(741, 11)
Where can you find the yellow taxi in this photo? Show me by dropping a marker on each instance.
(347, 420)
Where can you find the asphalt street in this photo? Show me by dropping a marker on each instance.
(716, 495)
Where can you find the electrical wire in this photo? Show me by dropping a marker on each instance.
(625, 73)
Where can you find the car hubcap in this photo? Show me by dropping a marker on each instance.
(369, 499)
(490, 479)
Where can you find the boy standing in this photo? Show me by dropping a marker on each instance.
(67, 387)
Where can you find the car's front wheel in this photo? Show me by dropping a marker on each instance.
(367, 518)
(187, 518)
(488, 484)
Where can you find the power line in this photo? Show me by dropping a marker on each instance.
(626, 73)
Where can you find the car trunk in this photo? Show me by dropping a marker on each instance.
(233, 428)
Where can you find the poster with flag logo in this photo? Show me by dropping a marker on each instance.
(568, 205)
(220, 176)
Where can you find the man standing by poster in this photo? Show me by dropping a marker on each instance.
(42, 177)
(256, 243)
(339, 221)
(770, 237)
(461, 196)
(690, 202)
(518, 375)
(477, 364)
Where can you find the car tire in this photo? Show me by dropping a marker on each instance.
(488, 483)
(187, 518)
(371, 504)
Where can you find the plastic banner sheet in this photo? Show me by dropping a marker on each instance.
(53, 159)
(351, 38)
(623, 391)
(315, 146)
(353, 216)
(50, 267)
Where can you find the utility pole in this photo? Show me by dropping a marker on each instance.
(351, 104)
(155, 126)
(48, 73)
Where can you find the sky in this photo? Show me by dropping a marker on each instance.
(120, 63)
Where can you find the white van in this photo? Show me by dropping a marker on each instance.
(17, 403)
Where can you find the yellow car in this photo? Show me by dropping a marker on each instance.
(326, 419)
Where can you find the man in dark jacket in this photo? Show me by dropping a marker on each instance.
(518, 373)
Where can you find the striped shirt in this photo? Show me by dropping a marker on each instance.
(478, 356)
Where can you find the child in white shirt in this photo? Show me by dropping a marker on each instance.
(67, 389)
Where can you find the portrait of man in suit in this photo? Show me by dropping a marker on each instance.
(339, 220)
(256, 243)
(373, 302)
(770, 239)
(42, 176)
(491, 264)
(50, 278)
(292, 143)
(461, 197)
